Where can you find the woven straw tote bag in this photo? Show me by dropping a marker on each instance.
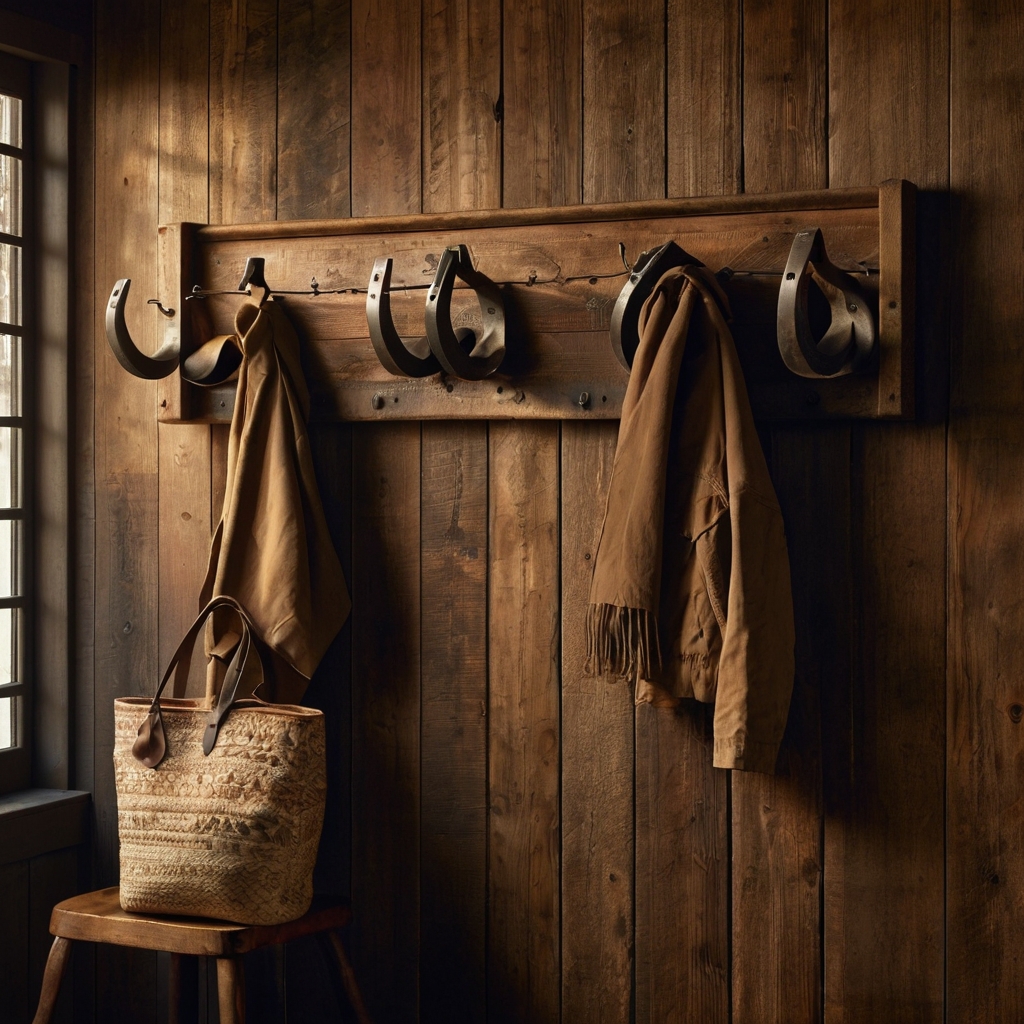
(219, 809)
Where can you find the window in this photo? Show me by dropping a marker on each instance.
(15, 343)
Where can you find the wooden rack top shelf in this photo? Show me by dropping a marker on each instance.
(560, 272)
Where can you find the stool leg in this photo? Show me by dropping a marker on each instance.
(56, 962)
(348, 979)
(231, 990)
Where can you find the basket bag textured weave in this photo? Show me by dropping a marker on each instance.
(219, 810)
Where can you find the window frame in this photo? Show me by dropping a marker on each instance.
(42, 757)
(16, 79)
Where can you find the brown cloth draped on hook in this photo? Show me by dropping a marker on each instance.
(691, 596)
(272, 551)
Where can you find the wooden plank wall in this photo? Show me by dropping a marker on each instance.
(520, 843)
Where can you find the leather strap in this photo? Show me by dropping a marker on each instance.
(151, 745)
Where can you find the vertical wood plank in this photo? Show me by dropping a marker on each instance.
(624, 100)
(784, 99)
(127, 63)
(52, 877)
(14, 941)
(523, 965)
(386, 105)
(681, 804)
(777, 820)
(884, 836)
(386, 716)
(183, 195)
(313, 108)
(461, 90)
(453, 759)
(243, 111)
(542, 107)
(597, 762)
(330, 689)
(705, 143)
(82, 445)
(682, 877)
(985, 697)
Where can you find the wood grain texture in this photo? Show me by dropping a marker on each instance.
(682, 869)
(330, 689)
(542, 108)
(985, 705)
(597, 762)
(243, 110)
(777, 820)
(705, 124)
(623, 101)
(523, 956)
(386, 107)
(453, 741)
(784, 95)
(313, 108)
(127, 63)
(385, 588)
(884, 927)
(184, 112)
(461, 113)
(184, 451)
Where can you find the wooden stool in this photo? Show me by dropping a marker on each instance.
(98, 917)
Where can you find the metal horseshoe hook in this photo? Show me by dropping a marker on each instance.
(461, 352)
(162, 364)
(403, 358)
(851, 337)
(624, 327)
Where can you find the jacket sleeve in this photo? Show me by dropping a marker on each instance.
(755, 674)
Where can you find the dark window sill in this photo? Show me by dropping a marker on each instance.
(38, 821)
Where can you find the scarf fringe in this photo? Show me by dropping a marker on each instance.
(623, 642)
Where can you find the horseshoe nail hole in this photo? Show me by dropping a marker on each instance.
(593, 280)
(790, 276)
(852, 307)
(395, 399)
(1016, 712)
(604, 398)
(501, 390)
(372, 296)
(491, 311)
(893, 304)
(449, 388)
(376, 277)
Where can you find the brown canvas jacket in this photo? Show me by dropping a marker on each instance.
(718, 581)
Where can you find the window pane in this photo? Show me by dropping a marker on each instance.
(9, 643)
(7, 722)
(10, 195)
(10, 120)
(10, 375)
(10, 467)
(10, 558)
(10, 284)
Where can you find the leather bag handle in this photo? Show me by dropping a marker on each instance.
(150, 747)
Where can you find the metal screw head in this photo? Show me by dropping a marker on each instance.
(853, 307)
(377, 402)
(584, 400)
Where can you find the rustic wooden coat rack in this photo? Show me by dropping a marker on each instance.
(559, 274)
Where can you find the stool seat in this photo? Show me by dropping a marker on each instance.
(98, 917)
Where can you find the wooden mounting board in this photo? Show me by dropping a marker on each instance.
(561, 273)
